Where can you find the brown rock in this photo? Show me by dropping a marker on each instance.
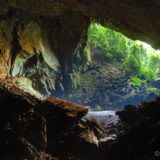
(97, 127)
(62, 109)
(89, 137)
(17, 148)
(142, 132)
(32, 127)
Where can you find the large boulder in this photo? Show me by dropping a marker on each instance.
(30, 128)
(141, 138)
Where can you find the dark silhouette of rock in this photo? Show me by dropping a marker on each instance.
(54, 129)
(142, 132)
(31, 128)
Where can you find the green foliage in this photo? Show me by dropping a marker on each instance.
(136, 81)
(132, 65)
(86, 78)
(155, 90)
(98, 108)
(74, 85)
(152, 89)
(136, 57)
(154, 62)
(113, 43)
(87, 54)
(148, 74)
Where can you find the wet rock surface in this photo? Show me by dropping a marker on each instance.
(105, 85)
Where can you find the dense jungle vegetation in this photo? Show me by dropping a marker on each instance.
(138, 58)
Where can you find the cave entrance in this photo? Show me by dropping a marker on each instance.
(119, 71)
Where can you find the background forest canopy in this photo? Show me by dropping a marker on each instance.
(136, 57)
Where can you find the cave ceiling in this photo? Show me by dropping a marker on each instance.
(137, 19)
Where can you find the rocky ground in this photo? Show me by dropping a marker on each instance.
(39, 130)
(33, 129)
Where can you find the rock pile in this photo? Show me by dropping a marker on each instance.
(33, 129)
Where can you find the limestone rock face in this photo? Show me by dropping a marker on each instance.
(40, 40)
(39, 50)
(139, 19)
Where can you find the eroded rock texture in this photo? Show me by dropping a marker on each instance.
(40, 41)
(38, 50)
(136, 18)
(31, 128)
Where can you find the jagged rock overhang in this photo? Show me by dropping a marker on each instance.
(136, 19)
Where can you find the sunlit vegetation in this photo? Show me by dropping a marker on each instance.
(138, 58)
(87, 52)
(86, 78)
(98, 108)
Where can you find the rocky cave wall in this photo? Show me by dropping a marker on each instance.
(39, 51)
(40, 41)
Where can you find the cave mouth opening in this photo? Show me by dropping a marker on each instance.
(108, 72)
(119, 71)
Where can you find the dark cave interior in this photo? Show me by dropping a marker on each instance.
(40, 41)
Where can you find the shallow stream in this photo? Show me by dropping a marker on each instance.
(105, 117)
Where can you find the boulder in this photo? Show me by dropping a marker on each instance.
(61, 108)
(141, 137)
(29, 126)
